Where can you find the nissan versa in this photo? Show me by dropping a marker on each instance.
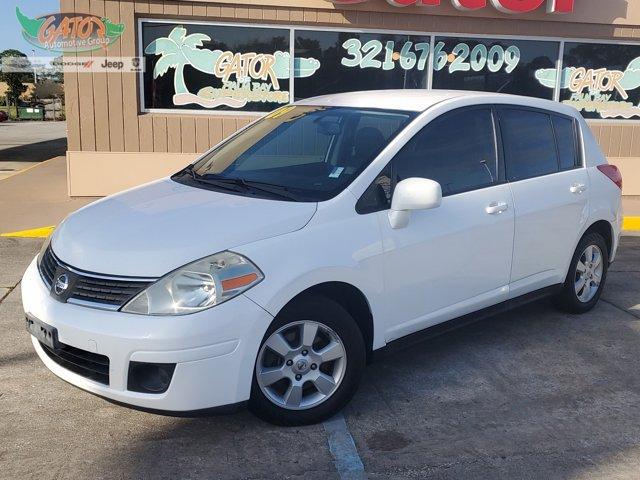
(270, 270)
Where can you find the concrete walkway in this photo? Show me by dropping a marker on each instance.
(37, 197)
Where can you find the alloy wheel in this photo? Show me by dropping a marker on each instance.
(589, 271)
(301, 365)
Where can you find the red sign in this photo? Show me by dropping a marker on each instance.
(506, 6)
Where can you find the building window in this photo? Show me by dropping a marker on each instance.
(212, 67)
(351, 61)
(487, 65)
(600, 80)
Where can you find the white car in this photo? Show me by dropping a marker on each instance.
(271, 269)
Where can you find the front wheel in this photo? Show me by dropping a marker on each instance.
(309, 364)
(587, 275)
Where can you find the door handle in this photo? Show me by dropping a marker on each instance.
(578, 188)
(496, 208)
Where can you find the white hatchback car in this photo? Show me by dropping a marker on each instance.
(269, 270)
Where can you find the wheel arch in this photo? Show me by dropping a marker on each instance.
(349, 297)
(605, 229)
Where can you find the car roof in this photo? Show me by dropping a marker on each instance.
(420, 100)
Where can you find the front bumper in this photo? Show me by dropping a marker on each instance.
(214, 350)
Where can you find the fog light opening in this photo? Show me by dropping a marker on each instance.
(150, 377)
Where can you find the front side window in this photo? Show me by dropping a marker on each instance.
(457, 150)
(298, 153)
(529, 144)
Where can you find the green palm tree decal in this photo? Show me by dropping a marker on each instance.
(178, 50)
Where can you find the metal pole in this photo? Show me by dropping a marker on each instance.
(35, 73)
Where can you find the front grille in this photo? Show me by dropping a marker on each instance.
(89, 365)
(91, 289)
(48, 266)
(111, 292)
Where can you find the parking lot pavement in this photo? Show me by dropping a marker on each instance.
(37, 197)
(24, 144)
(529, 394)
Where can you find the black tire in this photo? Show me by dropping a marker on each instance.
(324, 311)
(568, 300)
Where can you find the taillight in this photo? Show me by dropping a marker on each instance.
(613, 173)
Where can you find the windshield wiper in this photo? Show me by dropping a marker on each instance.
(220, 183)
(272, 189)
(191, 171)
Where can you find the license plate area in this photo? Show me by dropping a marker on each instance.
(44, 333)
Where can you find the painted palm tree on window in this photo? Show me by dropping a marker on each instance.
(179, 50)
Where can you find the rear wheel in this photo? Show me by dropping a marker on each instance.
(309, 365)
(587, 275)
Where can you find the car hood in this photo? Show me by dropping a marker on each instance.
(150, 230)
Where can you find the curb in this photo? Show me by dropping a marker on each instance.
(631, 224)
(41, 232)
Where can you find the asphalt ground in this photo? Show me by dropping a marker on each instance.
(529, 394)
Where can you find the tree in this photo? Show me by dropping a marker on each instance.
(47, 88)
(15, 71)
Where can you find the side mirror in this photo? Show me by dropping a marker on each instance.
(413, 194)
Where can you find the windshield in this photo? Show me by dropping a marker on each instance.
(298, 153)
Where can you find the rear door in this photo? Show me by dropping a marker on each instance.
(549, 191)
(456, 258)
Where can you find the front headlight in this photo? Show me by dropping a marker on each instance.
(197, 286)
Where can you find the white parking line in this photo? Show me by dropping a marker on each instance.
(343, 449)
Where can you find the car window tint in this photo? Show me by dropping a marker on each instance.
(458, 151)
(529, 144)
(566, 139)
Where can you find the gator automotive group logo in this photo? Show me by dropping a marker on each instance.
(69, 32)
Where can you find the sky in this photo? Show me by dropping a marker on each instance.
(11, 36)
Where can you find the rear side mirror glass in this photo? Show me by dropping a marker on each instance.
(413, 194)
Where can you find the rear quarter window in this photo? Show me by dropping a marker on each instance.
(565, 132)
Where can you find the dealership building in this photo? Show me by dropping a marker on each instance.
(211, 67)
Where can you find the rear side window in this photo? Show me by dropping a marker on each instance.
(529, 144)
(564, 129)
(457, 150)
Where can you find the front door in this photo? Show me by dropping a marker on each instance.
(456, 258)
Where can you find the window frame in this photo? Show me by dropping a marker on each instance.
(390, 165)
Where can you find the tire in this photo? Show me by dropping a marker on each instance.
(334, 328)
(569, 300)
